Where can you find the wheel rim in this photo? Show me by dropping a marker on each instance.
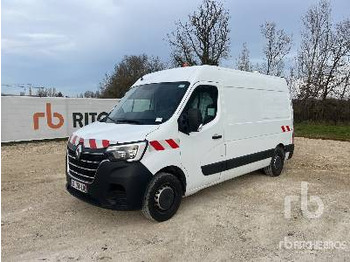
(164, 197)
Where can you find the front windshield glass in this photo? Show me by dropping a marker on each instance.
(150, 104)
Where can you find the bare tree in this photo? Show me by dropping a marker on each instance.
(204, 38)
(243, 62)
(343, 91)
(48, 92)
(91, 94)
(126, 74)
(313, 52)
(292, 81)
(339, 52)
(277, 46)
(323, 53)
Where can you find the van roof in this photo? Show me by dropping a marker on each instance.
(224, 76)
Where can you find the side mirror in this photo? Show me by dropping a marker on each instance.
(194, 119)
(190, 121)
(183, 123)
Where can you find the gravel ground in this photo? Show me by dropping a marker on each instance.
(241, 219)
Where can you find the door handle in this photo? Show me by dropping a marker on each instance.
(216, 136)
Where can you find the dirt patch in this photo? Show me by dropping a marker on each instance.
(241, 219)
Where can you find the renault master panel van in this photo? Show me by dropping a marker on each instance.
(178, 131)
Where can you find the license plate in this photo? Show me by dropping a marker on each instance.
(78, 186)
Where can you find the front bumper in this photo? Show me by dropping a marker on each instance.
(117, 185)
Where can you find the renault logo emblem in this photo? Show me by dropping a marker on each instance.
(78, 151)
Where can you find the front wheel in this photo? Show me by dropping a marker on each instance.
(276, 166)
(162, 197)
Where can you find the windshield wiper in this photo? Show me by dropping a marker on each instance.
(114, 121)
(128, 121)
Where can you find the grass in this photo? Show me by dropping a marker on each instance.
(323, 131)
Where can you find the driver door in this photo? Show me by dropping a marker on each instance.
(203, 151)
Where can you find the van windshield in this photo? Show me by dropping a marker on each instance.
(150, 104)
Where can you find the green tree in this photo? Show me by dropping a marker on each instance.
(126, 73)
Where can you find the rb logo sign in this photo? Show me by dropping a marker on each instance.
(49, 117)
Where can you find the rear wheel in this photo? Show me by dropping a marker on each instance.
(162, 198)
(276, 166)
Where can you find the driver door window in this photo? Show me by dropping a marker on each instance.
(205, 99)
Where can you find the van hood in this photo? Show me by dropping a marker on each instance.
(115, 133)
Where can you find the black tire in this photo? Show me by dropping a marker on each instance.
(277, 162)
(162, 197)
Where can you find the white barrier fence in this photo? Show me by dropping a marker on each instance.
(34, 118)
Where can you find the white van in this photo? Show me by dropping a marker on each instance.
(178, 131)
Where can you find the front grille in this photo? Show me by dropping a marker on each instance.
(84, 169)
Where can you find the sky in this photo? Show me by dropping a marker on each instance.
(71, 44)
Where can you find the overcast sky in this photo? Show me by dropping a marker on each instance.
(71, 44)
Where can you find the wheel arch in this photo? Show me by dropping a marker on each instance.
(280, 145)
(176, 171)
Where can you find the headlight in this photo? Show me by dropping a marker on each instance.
(128, 152)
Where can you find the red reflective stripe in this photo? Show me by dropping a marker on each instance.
(92, 143)
(283, 129)
(74, 139)
(105, 143)
(288, 128)
(172, 143)
(156, 145)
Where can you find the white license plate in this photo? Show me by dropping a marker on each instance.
(78, 186)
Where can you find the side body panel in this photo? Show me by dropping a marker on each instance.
(254, 121)
(155, 160)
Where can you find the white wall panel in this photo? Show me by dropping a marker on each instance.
(19, 115)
